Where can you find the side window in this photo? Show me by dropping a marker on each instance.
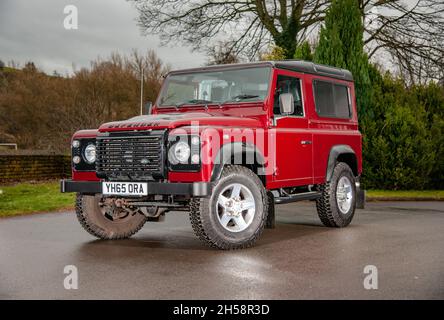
(331, 99)
(291, 85)
(323, 92)
(342, 105)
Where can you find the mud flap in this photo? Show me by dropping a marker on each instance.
(270, 223)
(360, 198)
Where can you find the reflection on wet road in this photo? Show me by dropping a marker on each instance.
(297, 260)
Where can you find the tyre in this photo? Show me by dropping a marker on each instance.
(107, 222)
(337, 204)
(233, 217)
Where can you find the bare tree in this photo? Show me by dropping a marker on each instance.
(412, 32)
(403, 28)
(221, 53)
(42, 112)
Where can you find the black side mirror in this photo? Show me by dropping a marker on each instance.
(148, 107)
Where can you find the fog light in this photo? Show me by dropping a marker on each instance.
(76, 159)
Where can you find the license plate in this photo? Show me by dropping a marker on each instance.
(125, 188)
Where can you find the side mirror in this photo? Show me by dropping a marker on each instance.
(286, 103)
(148, 107)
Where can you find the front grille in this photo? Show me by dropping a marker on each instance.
(131, 156)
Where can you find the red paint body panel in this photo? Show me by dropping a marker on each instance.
(296, 148)
(213, 116)
(84, 176)
(294, 163)
(328, 132)
(84, 134)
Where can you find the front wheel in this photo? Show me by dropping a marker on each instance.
(234, 216)
(107, 221)
(336, 206)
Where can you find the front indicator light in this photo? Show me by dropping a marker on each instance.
(75, 143)
(195, 140)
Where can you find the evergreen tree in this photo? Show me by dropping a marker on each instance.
(341, 45)
(303, 52)
(274, 53)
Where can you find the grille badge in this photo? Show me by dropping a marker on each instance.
(128, 156)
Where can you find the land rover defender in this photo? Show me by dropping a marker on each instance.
(225, 143)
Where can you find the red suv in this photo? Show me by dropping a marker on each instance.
(225, 143)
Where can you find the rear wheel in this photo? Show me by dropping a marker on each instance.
(106, 221)
(234, 216)
(336, 206)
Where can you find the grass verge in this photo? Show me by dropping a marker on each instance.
(25, 198)
(405, 195)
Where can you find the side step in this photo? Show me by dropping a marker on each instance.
(312, 195)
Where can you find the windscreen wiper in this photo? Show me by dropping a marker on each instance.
(194, 101)
(244, 96)
(239, 98)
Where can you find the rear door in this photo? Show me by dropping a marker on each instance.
(333, 121)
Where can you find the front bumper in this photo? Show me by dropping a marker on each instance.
(194, 189)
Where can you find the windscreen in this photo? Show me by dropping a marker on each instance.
(231, 85)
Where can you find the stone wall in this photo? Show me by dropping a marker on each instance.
(18, 167)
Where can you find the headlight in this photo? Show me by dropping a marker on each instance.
(90, 153)
(179, 153)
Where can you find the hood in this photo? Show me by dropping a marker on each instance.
(174, 120)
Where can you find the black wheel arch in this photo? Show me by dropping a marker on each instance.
(341, 153)
(250, 156)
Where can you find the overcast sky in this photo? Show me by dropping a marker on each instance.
(33, 30)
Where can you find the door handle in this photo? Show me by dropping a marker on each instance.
(306, 142)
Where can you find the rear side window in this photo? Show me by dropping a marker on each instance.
(331, 99)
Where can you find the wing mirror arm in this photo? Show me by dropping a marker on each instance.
(148, 107)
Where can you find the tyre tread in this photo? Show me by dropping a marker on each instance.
(96, 230)
(328, 214)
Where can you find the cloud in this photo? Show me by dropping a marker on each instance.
(33, 30)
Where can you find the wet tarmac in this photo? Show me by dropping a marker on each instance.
(300, 259)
